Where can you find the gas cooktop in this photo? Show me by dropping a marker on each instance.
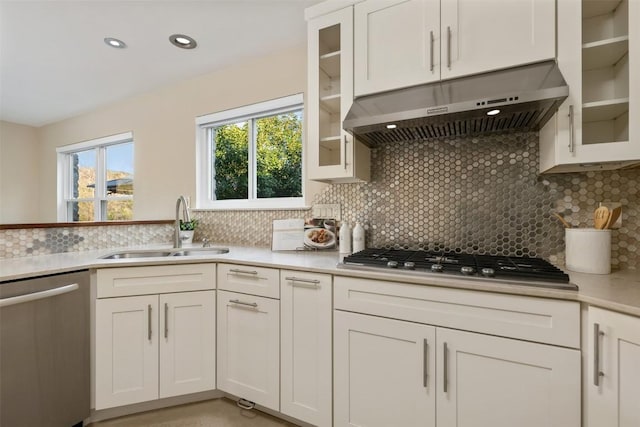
(519, 270)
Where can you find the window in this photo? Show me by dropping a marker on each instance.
(252, 156)
(95, 180)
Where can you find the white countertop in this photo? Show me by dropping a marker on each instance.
(618, 291)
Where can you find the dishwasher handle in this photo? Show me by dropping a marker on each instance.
(5, 302)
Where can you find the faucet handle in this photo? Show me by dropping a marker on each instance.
(205, 242)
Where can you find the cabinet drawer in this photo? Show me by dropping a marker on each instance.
(534, 319)
(126, 281)
(248, 279)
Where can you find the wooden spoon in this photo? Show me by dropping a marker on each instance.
(601, 217)
(562, 220)
(613, 216)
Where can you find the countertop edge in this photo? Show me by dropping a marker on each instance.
(619, 291)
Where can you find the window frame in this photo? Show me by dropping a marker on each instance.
(64, 176)
(204, 155)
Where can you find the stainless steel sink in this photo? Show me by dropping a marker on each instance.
(200, 251)
(129, 254)
(137, 254)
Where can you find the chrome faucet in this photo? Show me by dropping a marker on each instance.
(177, 241)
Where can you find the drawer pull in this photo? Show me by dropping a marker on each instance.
(597, 373)
(250, 304)
(307, 283)
(149, 322)
(166, 320)
(445, 376)
(238, 271)
(425, 363)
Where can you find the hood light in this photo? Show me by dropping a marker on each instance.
(392, 126)
(118, 44)
(493, 112)
(182, 41)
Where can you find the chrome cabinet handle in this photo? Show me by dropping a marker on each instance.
(431, 40)
(571, 130)
(445, 376)
(449, 47)
(250, 304)
(597, 373)
(5, 302)
(235, 270)
(166, 320)
(344, 151)
(149, 322)
(297, 281)
(425, 363)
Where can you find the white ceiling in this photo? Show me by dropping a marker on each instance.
(54, 63)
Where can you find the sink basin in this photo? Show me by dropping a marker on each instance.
(200, 251)
(166, 253)
(137, 254)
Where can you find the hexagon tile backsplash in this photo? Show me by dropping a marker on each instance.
(474, 195)
(484, 195)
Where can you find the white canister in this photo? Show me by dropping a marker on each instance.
(588, 250)
(358, 238)
(345, 238)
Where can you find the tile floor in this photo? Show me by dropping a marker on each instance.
(211, 413)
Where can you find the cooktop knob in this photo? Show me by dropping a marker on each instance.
(488, 272)
(437, 268)
(392, 264)
(410, 265)
(467, 270)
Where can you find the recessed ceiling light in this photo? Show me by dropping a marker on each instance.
(391, 126)
(182, 41)
(118, 44)
(493, 112)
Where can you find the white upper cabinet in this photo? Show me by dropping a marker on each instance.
(332, 154)
(396, 44)
(598, 52)
(479, 36)
(401, 43)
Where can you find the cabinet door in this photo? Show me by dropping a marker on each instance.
(396, 44)
(305, 348)
(383, 372)
(249, 347)
(613, 369)
(597, 54)
(126, 350)
(332, 154)
(479, 36)
(489, 381)
(187, 343)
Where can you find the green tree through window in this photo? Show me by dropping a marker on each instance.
(278, 157)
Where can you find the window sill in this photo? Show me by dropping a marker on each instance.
(253, 205)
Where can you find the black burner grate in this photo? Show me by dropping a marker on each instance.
(501, 267)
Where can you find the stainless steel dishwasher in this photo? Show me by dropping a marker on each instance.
(44, 351)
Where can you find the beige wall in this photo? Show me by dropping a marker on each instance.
(19, 169)
(163, 125)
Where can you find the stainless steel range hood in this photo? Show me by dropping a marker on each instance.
(526, 97)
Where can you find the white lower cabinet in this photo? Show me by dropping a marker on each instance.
(249, 347)
(187, 343)
(384, 372)
(392, 372)
(415, 355)
(154, 346)
(613, 369)
(126, 350)
(499, 382)
(305, 346)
